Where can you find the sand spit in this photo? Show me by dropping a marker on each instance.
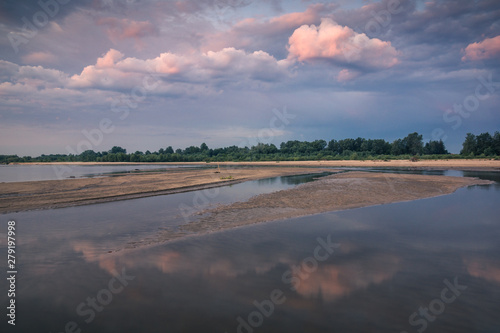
(331, 193)
(22, 196)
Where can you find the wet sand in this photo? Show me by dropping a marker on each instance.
(331, 193)
(22, 196)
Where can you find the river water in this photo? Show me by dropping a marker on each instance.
(427, 265)
(26, 172)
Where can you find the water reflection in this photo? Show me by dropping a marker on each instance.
(392, 260)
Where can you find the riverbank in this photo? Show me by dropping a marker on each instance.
(477, 165)
(462, 164)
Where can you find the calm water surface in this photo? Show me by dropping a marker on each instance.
(387, 273)
(22, 173)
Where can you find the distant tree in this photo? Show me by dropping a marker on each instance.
(317, 145)
(264, 148)
(380, 147)
(435, 148)
(347, 144)
(169, 150)
(203, 147)
(413, 144)
(88, 156)
(398, 147)
(116, 150)
(469, 147)
(192, 150)
(358, 142)
(484, 144)
(496, 143)
(334, 147)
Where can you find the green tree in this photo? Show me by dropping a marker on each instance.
(88, 156)
(398, 147)
(413, 144)
(469, 147)
(317, 145)
(380, 147)
(484, 144)
(334, 147)
(117, 149)
(435, 148)
(496, 143)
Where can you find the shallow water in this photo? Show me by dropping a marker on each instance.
(21, 173)
(390, 261)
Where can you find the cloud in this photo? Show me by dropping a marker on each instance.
(39, 58)
(120, 29)
(114, 71)
(486, 49)
(258, 65)
(109, 59)
(347, 75)
(31, 75)
(268, 34)
(342, 45)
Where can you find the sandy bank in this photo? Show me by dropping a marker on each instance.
(475, 164)
(21, 196)
(331, 193)
(480, 164)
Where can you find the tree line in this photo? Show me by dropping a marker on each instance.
(411, 146)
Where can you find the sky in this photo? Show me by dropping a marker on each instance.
(147, 74)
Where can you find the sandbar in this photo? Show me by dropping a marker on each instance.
(336, 192)
(32, 195)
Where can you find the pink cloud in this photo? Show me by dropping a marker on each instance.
(347, 75)
(257, 65)
(119, 29)
(39, 58)
(109, 59)
(291, 20)
(169, 63)
(488, 48)
(114, 71)
(258, 33)
(343, 45)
